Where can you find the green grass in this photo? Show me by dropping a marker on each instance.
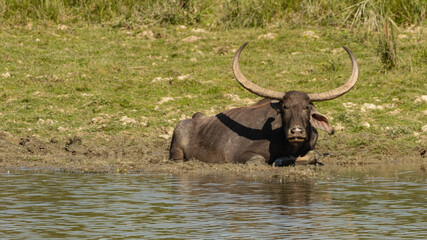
(74, 75)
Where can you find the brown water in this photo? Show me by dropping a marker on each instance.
(375, 204)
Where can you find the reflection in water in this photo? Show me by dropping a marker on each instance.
(59, 205)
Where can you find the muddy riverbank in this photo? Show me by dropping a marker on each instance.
(130, 154)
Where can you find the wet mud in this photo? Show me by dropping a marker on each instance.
(130, 154)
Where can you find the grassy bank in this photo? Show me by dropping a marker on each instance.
(68, 76)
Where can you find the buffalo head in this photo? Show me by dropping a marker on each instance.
(299, 116)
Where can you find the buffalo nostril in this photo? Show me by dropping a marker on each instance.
(297, 130)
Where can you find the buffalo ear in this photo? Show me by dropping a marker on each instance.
(319, 121)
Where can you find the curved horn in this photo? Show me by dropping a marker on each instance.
(341, 89)
(250, 86)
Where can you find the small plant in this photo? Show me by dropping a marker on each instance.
(387, 49)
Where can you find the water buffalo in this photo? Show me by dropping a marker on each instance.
(279, 129)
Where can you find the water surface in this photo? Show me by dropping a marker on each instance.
(378, 204)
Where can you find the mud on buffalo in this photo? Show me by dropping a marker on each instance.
(279, 130)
